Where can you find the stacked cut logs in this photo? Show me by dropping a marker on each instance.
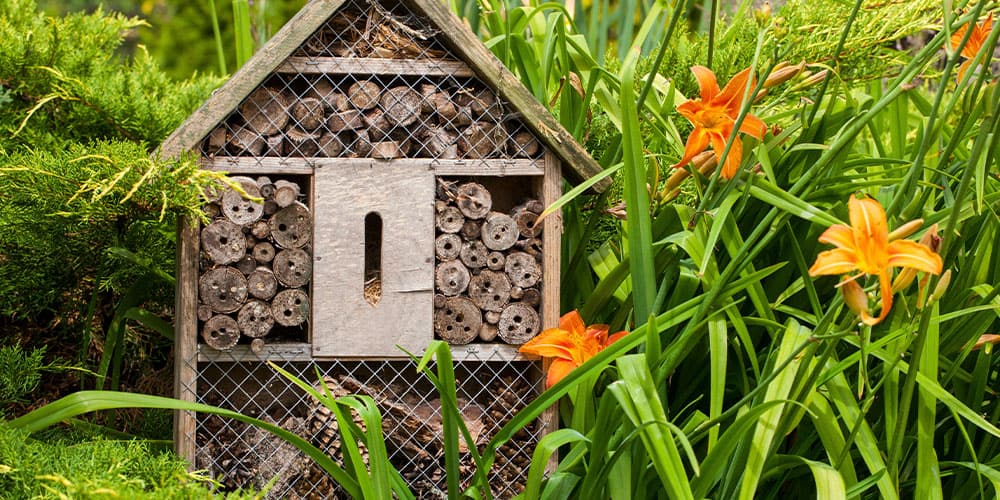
(256, 262)
(488, 275)
(361, 118)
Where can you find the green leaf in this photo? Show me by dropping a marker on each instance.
(929, 479)
(639, 223)
(243, 31)
(777, 197)
(767, 424)
(546, 447)
(637, 396)
(829, 483)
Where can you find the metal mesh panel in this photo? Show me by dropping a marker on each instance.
(360, 29)
(491, 391)
(373, 84)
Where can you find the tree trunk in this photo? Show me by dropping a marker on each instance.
(291, 227)
(447, 246)
(255, 319)
(263, 252)
(364, 94)
(307, 113)
(351, 119)
(301, 143)
(450, 220)
(474, 254)
(224, 289)
(490, 290)
(223, 242)
(221, 332)
(451, 277)
(522, 269)
(474, 200)
(518, 323)
(401, 106)
(290, 307)
(292, 267)
(458, 322)
(499, 231)
(262, 284)
(265, 111)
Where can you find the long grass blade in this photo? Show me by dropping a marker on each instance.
(767, 425)
(639, 223)
(88, 401)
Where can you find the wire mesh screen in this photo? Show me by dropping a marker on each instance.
(361, 29)
(490, 392)
(373, 83)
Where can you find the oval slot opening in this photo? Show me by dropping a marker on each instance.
(373, 258)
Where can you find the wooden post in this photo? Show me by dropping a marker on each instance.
(552, 229)
(186, 328)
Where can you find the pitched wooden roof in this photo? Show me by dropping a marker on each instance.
(579, 165)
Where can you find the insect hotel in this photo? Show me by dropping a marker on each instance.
(387, 173)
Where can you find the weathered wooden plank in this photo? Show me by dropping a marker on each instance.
(551, 240)
(487, 352)
(270, 352)
(374, 66)
(293, 34)
(345, 323)
(246, 165)
(249, 165)
(467, 46)
(186, 336)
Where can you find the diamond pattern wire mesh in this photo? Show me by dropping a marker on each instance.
(491, 391)
(360, 29)
(404, 96)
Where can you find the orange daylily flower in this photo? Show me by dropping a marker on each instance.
(865, 247)
(571, 345)
(975, 43)
(714, 116)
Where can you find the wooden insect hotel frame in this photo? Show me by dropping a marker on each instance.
(387, 172)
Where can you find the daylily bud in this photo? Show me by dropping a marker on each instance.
(812, 80)
(818, 77)
(855, 297)
(778, 27)
(782, 73)
(904, 279)
(941, 288)
(986, 339)
(669, 196)
(930, 239)
(906, 230)
(705, 162)
(675, 180)
(618, 211)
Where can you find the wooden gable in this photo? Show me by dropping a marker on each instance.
(288, 51)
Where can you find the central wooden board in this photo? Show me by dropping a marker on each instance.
(345, 324)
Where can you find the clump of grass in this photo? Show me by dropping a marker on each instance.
(20, 372)
(74, 465)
